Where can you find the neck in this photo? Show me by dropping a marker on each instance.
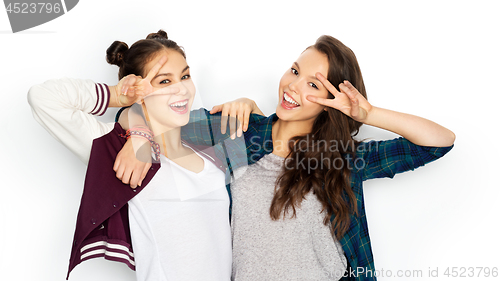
(283, 131)
(169, 139)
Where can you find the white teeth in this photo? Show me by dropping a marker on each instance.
(179, 104)
(289, 99)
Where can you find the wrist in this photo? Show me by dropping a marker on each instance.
(371, 116)
(254, 105)
(256, 109)
(114, 99)
(140, 136)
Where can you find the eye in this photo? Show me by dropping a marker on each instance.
(313, 85)
(185, 77)
(166, 81)
(294, 71)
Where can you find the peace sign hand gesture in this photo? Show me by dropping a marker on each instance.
(133, 88)
(348, 101)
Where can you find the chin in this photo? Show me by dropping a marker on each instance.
(282, 114)
(184, 123)
(278, 111)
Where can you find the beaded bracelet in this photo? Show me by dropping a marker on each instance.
(154, 145)
(141, 128)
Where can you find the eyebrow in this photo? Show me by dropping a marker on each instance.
(170, 74)
(311, 76)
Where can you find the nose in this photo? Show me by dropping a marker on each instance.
(183, 90)
(293, 86)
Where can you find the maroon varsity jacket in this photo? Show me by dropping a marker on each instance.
(102, 226)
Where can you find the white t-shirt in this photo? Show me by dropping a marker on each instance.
(179, 225)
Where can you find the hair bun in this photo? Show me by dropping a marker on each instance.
(161, 34)
(116, 52)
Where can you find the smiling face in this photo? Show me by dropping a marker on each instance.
(299, 82)
(167, 112)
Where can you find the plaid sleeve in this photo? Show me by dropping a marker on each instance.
(380, 159)
(199, 129)
(257, 118)
(258, 138)
(205, 128)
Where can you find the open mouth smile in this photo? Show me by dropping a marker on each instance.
(179, 107)
(288, 102)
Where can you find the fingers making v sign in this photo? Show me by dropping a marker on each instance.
(348, 101)
(133, 88)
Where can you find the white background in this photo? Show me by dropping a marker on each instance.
(436, 59)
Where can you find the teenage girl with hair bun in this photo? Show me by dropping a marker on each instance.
(175, 226)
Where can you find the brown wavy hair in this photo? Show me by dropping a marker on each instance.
(327, 145)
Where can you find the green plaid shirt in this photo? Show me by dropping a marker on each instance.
(374, 159)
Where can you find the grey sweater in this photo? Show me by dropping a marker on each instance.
(300, 248)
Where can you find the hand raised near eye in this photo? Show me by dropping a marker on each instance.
(133, 88)
(348, 101)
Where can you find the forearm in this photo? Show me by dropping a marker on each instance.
(123, 119)
(416, 129)
(132, 118)
(66, 109)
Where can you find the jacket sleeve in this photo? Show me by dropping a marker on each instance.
(204, 128)
(201, 128)
(379, 159)
(66, 108)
